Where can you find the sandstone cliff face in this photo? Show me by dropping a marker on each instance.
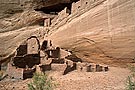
(105, 32)
(10, 7)
(19, 21)
(9, 41)
(18, 28)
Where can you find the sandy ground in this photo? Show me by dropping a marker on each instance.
(114, 79)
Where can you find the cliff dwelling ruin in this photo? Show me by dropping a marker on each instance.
(79, 44)
(35, 55)
(30, 58)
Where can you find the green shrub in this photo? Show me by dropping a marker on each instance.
(40, 82)
(130, 84)
(131, 78)
(132, 69)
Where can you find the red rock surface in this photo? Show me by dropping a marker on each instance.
(106, 31)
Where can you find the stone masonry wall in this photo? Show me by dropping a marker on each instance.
(77, 9)
(61, 15)
(14, 72)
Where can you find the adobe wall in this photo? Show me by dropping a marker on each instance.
(77, 9)
(14, 72)
(32, 46)
(61, 15)
(83, 4)
(47, 22)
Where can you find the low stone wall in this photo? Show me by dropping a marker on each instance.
(13, 72)
(90, 67)
(59, 67)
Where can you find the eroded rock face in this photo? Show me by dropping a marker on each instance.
(10, 7)
(100, 32)
(19, 21)
(105, 30)
(24, 19)
(9, 41)
(18, 28)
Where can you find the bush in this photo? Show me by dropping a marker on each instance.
(40, 82)
(131, 78)
(130, 84)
